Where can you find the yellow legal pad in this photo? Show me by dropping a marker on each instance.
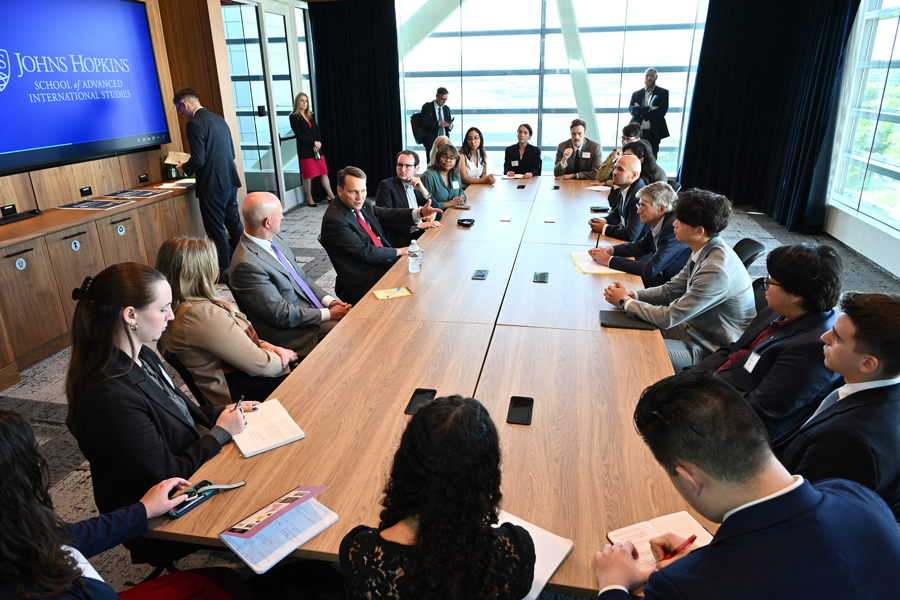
(392, 293)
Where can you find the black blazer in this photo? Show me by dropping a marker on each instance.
(134, 436)
(529, 163)
(212, 153)
(790, 374)
(656, 117)
(625, 224)
(392, 194)
(307, 135)
(360, 263)
(662, 261)
(430, 123)
(857, 438)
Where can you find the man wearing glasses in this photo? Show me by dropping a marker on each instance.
(776, 364)
(630, 133)
(405, 191)
(436, 119)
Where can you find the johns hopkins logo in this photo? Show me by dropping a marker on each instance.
(4, 69)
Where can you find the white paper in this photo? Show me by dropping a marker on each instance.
(513, 177)
(549, 219)
(505, 218)
(589, 266)
(269, 427)
(173, 157)
(550, 551)
(176, 185)
(681, 524)
(598, 188)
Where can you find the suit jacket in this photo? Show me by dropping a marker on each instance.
(280, 311)
(856, 438)
(133, 434)
(307, 135)
(360, 263)
(430, 123)
(656, 117)
(529, 163)
(587, 167)
(715, 296)
(790, 374)
(623, 221)
(666, 258)
(754, 554)
(212, 153)
(392, 194)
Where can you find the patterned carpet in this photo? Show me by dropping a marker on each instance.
(41, 398)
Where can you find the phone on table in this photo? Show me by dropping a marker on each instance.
(194, 498)
(420, 398)
(555, 187)
(520, 408)
(599, 209)
(542, 277)
(480, 274)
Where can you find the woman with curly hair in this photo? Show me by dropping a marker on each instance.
(436, 539)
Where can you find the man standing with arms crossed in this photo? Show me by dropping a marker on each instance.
(648, 108)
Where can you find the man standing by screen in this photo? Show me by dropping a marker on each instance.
(212, 163)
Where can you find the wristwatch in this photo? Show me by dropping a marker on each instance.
(622, 302)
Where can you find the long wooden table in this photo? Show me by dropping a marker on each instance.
(579, 470)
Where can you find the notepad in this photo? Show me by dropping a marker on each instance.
(505, 219)
(268, 535)
(177, 185)
(267, 428)
(681, 524)
(550, 550)
(588, 266)
(173, 157)
(513, 177)
(392, 293)
(598, 188)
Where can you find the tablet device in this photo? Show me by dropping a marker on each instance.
(520, 408)
(543, 277)
(617, 319)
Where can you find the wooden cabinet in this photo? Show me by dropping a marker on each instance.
(187, 213)
(75, 254)
(158, 223)
(31, 308)
(121, 238)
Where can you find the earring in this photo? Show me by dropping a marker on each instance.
(133, 326)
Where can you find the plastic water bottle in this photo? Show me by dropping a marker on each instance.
(415, 257)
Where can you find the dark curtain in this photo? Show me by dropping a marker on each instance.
(765, 102)
(357, 86)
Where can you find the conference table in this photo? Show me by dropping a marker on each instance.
(579, 470)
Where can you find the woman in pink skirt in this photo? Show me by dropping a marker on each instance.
(309, 148)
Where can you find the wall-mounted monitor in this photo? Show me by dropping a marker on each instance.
(78, 80)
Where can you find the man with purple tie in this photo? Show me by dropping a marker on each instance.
(282, 303)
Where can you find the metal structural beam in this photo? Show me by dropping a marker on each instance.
(581, 84)
(425, 20)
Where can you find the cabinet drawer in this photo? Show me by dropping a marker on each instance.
(75, 254)
(121, 239)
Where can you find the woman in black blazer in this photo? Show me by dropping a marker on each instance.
(309, 148)
(523, 158)
(131, 422)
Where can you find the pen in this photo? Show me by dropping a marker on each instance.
(598, 240)
(681, 548)
(394, 292)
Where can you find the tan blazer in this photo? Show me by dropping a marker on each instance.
(203, 335)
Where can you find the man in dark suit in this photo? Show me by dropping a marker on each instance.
(777, 363)
(212, 163)
(715, 450)
(404, 191)
(855, 432)
(659, 256)
(648, 107)
(624, 221)
(353, 235)
(284, 305)
(436, 119)
(586, 160)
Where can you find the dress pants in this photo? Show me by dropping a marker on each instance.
(221, 222)
(647, 134)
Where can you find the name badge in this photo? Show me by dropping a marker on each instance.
(454, 185)
(585, 155)
(751, 362)
(515, 163)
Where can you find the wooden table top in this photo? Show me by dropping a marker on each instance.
(487, 227)
(571, 225)
(506, 189)
(570, 189)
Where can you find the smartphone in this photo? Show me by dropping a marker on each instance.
(555, 187)
(195, 498)
(462, 207)
(480, 274)
(599, 209)
(419, 399)
(520, 187)
(520, 408)
(541, 277)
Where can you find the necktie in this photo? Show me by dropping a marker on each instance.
(287, 265)
(368, 229)
(576, 160)
(691, 265)
(828, 401)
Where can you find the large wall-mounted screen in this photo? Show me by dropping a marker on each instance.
(78, 79)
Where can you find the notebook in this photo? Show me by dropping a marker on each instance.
(392, 293)
(617, 319)
(269, 427)
(588, 266)
(681, 524)
(550, 551)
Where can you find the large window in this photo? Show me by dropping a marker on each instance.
(868, 174)
(546, 62)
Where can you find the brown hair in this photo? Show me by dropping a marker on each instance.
(876, 318)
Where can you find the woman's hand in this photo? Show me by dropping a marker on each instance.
(231, 420)
(511, 174)
(157, 502)
(528, 175)
(317, 145)
(286, 356)
(491, 179)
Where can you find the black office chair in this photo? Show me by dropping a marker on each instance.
(327, 251)
(759, 294)
(185, 375)
(676, 185)
(748, 251)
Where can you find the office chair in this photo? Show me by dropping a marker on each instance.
(759, 294)
(748, 251)
(676, 185)
(185, 375)
(328, 252)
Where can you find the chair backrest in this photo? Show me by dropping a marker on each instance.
(676, 185)
(748, 251)
(759, 294)
(237, 300)
(185, 375)
(327, 251)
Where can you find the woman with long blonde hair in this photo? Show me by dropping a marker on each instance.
(309, 148)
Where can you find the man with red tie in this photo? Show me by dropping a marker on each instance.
(354, 238)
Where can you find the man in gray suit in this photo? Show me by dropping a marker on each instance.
(284, 305)
(586, 160)
(712, 294)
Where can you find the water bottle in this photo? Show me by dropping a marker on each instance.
(316, 154)
(415, 257)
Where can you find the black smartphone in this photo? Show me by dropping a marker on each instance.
(541, 277)
(520, 187)
(520, 408)
(195, 498)
(419, 399)
(599, 209)
(555, 187)
(480, 274)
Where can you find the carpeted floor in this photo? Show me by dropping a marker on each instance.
(40, 396)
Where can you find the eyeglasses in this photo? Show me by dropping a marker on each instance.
(767, 282)
(643, 206)
(403, 166)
